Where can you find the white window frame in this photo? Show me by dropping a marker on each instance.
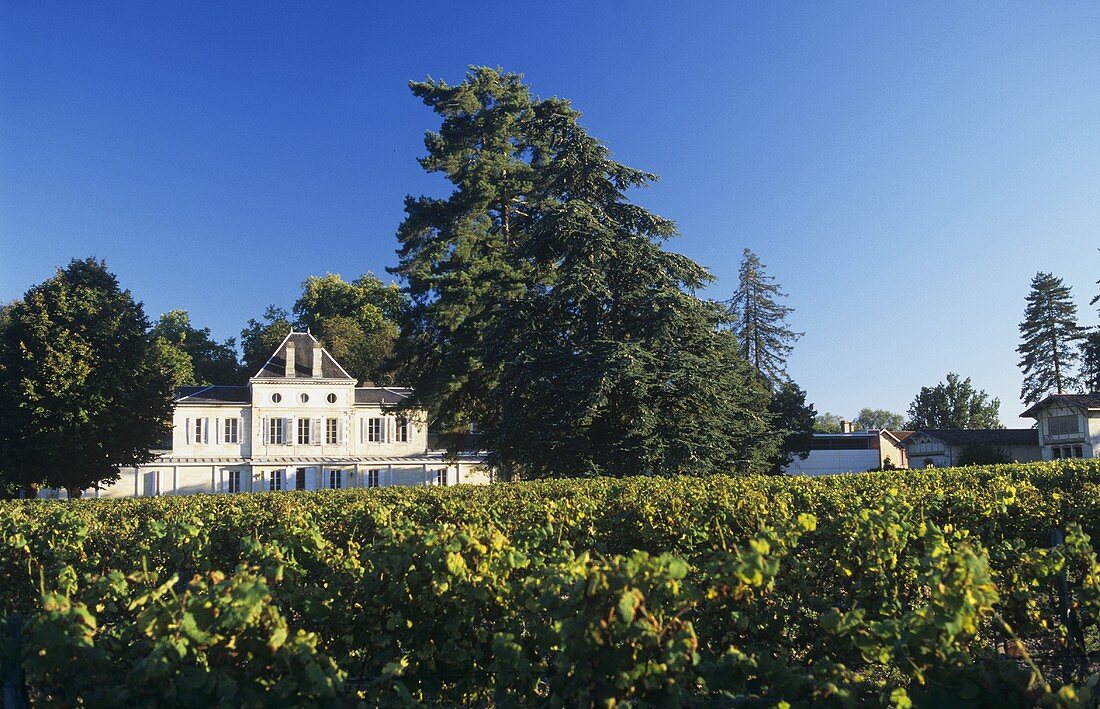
(233, 481)
(275, 481)
(332, 431)
(376, 429)
(374, 477)
(304, 427)
(335, 479)
(401, 430)
(276, 431)
(232, 430)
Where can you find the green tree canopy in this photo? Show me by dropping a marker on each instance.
(954, 404)
(358, 322)
(84, 389)
(259, 338)
(877, 419)
(545, 308)
(1090, 363)
(760, 320)
(826, 422)
(1049, 336)
(795, 420)
(210, 362)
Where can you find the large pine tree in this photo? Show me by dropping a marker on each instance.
(760, 320)
(545, 308)
(1049, 336)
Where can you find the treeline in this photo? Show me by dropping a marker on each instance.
(965, 587)
(537, 302)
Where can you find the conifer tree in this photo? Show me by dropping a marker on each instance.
(1049, 337)
(1090, 363)
(545, 309)
(760, 320)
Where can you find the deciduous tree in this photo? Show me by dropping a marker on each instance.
(954, 404)
(84, 390)
(358, 322)
(877, 419)
(1049, 337)
(260, 338)
(211, 362)
(827, 423)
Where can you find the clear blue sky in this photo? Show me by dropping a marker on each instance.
(903, 169)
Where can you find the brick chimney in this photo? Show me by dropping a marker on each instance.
(290, 365)
(316, 360)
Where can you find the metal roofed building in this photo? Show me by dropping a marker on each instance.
(851, 452)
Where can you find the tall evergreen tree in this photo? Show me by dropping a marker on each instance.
(795, 421)
(760, 320)
(544, 307)
(83, 389)
(1090, 363)
(458, 255)
(1049, 336)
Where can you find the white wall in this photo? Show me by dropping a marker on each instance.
(831, 462)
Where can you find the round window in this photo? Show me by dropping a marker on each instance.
(331, 398)
(303, 397)
(276, 398)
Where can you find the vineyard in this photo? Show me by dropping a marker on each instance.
(974, 586)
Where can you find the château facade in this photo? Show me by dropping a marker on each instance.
(300, 423)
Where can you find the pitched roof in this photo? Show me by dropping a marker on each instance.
(899, 435)
(381, 395)
(212, 395)
(275, 367)
(992, 436)
(1084, 401)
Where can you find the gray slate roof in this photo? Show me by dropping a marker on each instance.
(212, 395)
(381, 395)
(1085, 401)
(992, 436)
(275, 367)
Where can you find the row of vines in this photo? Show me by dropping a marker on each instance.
(925, 588)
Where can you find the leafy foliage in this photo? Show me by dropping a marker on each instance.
(954, 404)
(357, 322)
(260, 338)
(881, 589)
(83, 388)
(1049, 336)
(208, 361)
(877, 419)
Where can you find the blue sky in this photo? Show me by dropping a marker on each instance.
(903, 169)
